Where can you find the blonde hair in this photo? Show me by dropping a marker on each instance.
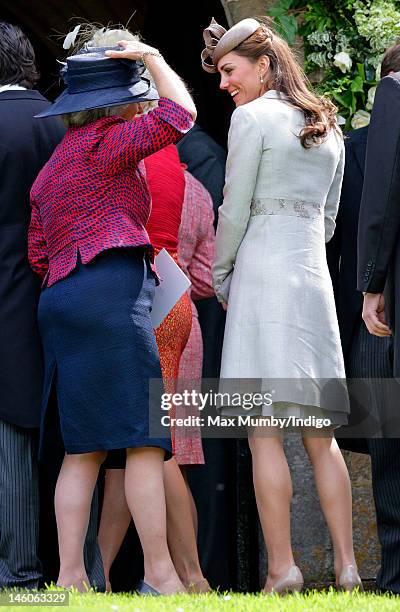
(81, 118)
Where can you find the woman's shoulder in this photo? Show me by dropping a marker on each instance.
(268, 106)
(250, 113)
(253, 108)
(255, 120)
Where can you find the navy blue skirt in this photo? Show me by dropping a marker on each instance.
(100, 349)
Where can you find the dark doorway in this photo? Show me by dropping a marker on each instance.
(174, 27)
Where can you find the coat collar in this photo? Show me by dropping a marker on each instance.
(9, 87)
(277, 95)
(21, 94)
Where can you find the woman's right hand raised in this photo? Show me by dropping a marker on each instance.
(168, 83)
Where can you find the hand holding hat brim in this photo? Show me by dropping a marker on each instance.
(132, 49)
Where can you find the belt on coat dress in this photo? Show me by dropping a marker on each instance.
(284, 206)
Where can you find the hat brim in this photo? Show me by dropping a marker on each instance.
(101, 98)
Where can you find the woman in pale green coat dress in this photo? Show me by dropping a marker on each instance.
(284, 174)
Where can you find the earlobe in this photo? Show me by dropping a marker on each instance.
(263, 67)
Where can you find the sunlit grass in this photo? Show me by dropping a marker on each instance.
(227, 602)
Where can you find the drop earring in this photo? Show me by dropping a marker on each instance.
(261, 80)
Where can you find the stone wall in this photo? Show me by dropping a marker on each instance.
(236, 10)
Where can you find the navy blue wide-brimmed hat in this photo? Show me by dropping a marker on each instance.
(94, 80)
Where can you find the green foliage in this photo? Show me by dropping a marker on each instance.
(343, 44)
(378, 22)
(285, 23)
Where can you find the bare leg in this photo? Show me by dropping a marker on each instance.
(115, 519)
(193, 508)
(180, 528)
(273, 489)
(73, 497)
(144, 490)
(334, 490)
(116, 516)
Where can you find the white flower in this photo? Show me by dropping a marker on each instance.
(70, 37)
(360, 119)
(343, 61)
(371, 98)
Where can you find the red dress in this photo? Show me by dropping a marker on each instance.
(166, 183)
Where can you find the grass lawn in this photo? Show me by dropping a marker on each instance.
(228, 602)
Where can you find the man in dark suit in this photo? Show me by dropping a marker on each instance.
(358, 348)
(367, 356)
(378, 271)
(378, 243)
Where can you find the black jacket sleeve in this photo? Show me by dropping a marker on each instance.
(379, 220)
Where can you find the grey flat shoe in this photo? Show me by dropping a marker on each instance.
(145, 589)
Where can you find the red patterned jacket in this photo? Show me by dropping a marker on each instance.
(91, 195)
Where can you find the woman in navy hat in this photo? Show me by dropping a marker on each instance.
(88, 242)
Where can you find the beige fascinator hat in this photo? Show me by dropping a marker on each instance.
(219, 41)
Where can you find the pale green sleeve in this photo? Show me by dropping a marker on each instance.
(333, 198)
(245, 146)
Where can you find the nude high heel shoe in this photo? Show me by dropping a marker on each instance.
(201, 586)
(291, 582)
(349, 579)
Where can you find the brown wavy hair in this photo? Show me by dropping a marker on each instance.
(17, 57)
(288, 78)
(391, 60)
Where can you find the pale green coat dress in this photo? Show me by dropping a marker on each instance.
(279, 209)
